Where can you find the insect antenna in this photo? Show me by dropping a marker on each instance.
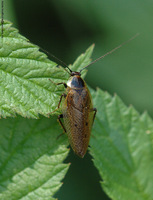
(2, 17)
(60, 61)
(110, 52)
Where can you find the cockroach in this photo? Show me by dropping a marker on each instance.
(78, 112)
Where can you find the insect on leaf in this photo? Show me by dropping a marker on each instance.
(25, 88)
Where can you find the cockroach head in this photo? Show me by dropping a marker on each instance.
(75, 73)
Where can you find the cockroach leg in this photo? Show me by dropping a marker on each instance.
(59, 119)
(95, 110)
(59, 83)
(63, 95)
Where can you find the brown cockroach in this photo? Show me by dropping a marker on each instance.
(78, 112)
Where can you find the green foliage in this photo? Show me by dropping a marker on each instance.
(31, 161)
(31, 158)
(25, 88)
(122, 149)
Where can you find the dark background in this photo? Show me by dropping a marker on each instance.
(66, 29)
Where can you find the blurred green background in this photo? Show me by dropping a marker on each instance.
(66, 28)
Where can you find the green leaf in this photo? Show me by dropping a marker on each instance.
(82, 61)
(122, 148)
(31, 158)
(31, 155)
(25, 87)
